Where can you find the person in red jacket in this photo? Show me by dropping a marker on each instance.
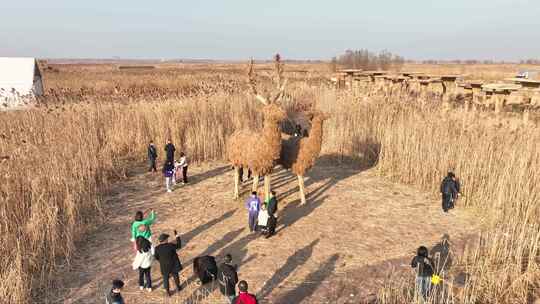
(244, 297)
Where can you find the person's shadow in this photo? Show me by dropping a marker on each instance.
(299, 258)
(440, 253)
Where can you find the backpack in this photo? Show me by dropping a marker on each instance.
(205, 268)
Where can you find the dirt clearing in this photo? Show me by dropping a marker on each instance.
(354, 221)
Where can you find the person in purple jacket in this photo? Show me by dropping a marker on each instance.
(253, 205)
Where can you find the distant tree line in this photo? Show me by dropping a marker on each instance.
(367, 60)
(459, 61)
(530, 61)
(475, 61)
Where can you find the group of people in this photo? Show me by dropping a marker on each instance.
(262, 217)
(173, 171)
(426, 275)
(165, 253)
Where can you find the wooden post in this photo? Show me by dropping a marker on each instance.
(301, 187)
(445, 105)
(267, 183)
(236, 182)
(467, 105)
(476, 95)
(526, 116)
(497, 99)
(255, 185)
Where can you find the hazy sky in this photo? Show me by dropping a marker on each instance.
(238, 29)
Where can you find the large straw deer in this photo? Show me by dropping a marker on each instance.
(258, 150)
(300, 153)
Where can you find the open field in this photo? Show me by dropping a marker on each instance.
(65, 166)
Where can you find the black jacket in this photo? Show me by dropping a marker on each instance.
(272, 206)
(205, 268)
(228, 278)
(450, 187)
(167, 167)
(169, 150)
(152, 152)
(114, 298)
(425, 266)
(167, 257)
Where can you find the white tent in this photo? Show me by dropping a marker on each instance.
(20, 81)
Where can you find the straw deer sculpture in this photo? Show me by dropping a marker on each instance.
(259, 150)
(299, 153)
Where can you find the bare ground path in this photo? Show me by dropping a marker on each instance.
(354, 222)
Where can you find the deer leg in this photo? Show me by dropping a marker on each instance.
(236, 182)
(255, 182)
(267, 183)
(301, 187)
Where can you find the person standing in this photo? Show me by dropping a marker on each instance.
(253, 205)
(450, 189)
(424, 271)
(168, 173)
(228, 278)
(262, 221)
(169, 151)
(241, 174)
(143, 263)
(183, 165)
(169, 263)
(271, 207)
(114, 296)
(244, 297)
(152, 156)
(141, 225)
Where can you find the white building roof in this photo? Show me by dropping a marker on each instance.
(20, 80)
(17, 71)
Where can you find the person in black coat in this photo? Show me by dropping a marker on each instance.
(450, 189)
(241, 174)
(114, 296)
(205, 267)
(272, 207)
(228, 278)
(424, 267)
(169, 263)
(152, 156)
(169, 151)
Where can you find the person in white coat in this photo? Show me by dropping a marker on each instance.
(143, 262)
(183, 165)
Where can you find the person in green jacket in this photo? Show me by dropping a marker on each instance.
(271, 206)
(141, 225)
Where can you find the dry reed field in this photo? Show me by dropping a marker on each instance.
(60, 160)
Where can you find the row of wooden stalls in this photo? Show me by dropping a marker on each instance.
(516, 92)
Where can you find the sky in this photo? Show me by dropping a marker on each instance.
(297, 29)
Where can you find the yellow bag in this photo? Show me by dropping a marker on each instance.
(435, 279)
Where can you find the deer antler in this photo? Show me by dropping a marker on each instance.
(280, 83)
(253, 84)
(279, 70)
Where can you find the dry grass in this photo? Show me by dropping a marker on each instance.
(498, 167)
(57, 161)
(60, 160)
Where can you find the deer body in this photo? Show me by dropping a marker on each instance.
(299, 154)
